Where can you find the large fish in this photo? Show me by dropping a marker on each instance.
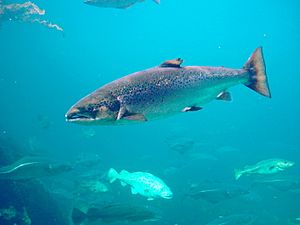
(120, 4)
(112, 213)
(166, 90)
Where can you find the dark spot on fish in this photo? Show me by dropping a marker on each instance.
(272, 168)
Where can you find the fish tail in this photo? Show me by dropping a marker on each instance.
(124, 173)
(112, 175)
(258, 78)
(78, 216)
(157, 1)
(238, 173)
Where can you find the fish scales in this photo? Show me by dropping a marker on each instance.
(143, 91)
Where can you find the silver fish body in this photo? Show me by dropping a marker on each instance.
(264, 167)
(166, 90)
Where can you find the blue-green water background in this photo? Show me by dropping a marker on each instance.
(43, 73)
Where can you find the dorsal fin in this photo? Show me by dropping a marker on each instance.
(172, 63)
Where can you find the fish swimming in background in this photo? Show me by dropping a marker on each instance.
(166, 90)
(236, 219)
(120, 4)
(269, 166)
(114, 213)
(215, 192)
(142, 183)
(280, 183)
(32, 167)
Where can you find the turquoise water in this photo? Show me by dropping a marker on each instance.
(44, 72)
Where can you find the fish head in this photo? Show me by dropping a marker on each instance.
(166, 193)
(284, 164)
(96, 108)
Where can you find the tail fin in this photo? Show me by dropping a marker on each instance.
(124, 173)
(78, 216)
(112, 175)
(157, 1)
(258, 78)
(238, 173)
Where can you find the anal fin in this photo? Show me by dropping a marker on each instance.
(191, 109)
(225, 96)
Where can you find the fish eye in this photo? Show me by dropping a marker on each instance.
(91, 108)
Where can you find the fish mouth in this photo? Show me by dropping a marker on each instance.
(75, 117)
(170, 196)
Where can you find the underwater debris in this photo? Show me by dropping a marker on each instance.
(11, 214)
(8, 213)
(26, 219)
(26, 12)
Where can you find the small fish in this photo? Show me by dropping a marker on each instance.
(181, 145)
(216, 192)
(119, 4)
(142, 183)
(166, 90)
(286, 183)
(269, 166)
(32, 167)
(95, 186)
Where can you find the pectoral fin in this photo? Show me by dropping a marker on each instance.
(172, 63)
(191, 109)
(133, 191)
(121, 113)
(124, 114)
(123, 183)
(225, 96)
